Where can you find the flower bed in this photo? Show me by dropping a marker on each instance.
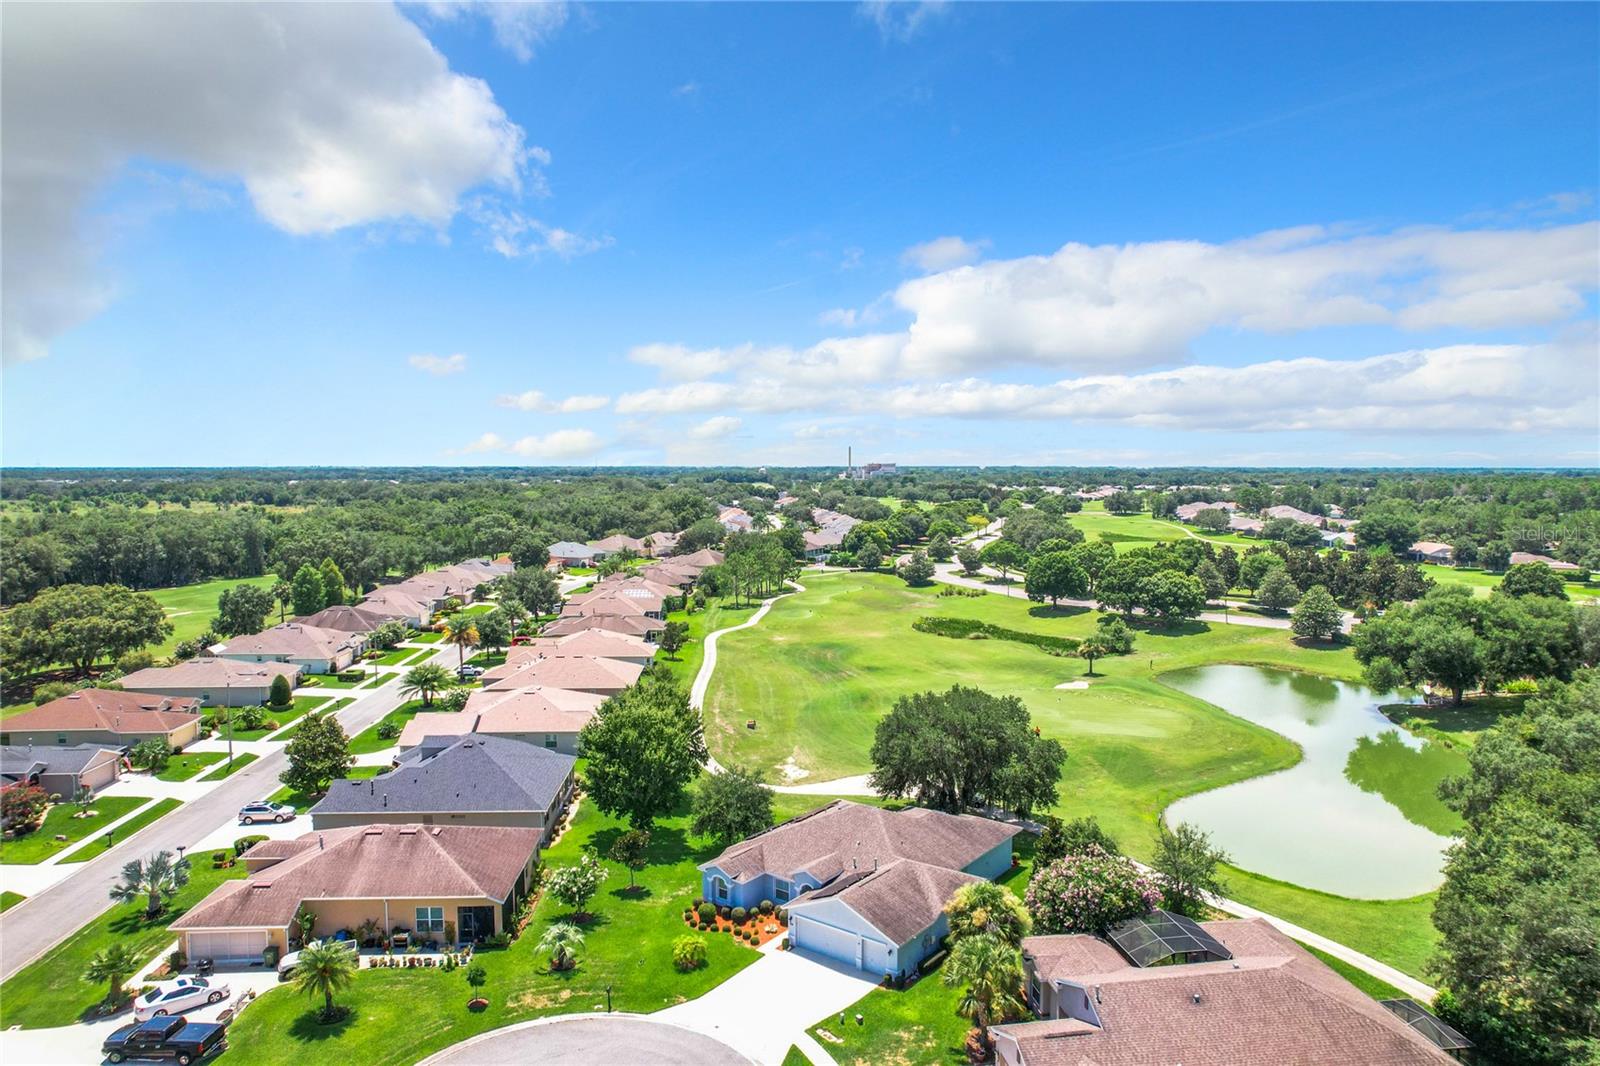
(754, 928)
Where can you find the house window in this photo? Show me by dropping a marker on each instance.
(550, 740)
(719, 888)
(1033, 990)
(780, 891)
(430, 919)
(61, 738)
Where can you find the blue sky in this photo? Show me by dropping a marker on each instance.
(723, 233)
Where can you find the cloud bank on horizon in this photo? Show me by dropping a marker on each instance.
(1398, 342)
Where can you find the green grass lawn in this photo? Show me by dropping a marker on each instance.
(41, 844)
(295, 710)
(628, 948)
(333, 708)
(192, 608)
(182, 767)
(331, 681)
(239, 763)
(795, 1057)
(302, 802)
(718, 614)
(368, 741)
(488, 659)
(97, 847)
(1141, 530)
(1482, 582)
(825, 665)
(396, 656)
(9, 900)
(426, 637)
(478, 608)
(51, 991)
(1375, 987)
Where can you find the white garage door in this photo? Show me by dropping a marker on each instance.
(874, 956)
(234, 946)
(826, 940)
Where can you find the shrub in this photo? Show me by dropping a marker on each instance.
(244, 844)
(738, 915)
(704, 926)
(1522, 686)
(723, 912)
(707, 911)
(152, 755)
(51, 690)
(22, 807)
(1088, 893)
(269, 956)
(177, 961)
(971, 628)
(272, 724)
(222, 858)
(454, 700)
(688, 952)
(388, 730)
(783, 915)
(250, 718)
(280, 694)
(765, 906)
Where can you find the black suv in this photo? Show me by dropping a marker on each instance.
(166, 1038)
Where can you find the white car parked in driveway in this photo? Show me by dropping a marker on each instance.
(175, 997)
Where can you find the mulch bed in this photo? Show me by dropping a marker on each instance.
(759, 922)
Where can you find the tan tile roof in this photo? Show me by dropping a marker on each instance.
(845, 836)
(593, 642)
(209, 672)
(107, 709)
(349, 619)
(394, 598)
(617, 542)
(702, 558)
(580, 673)
(533, 709)
(633, 624)
(1530, 557)
(636, 597)
(436, 724)
(371, 862)
(294, 639)
(1273, 1004)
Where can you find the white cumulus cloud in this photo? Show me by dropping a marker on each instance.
(716, 428)
(328, 115)
(439, 365)
(534, 400)
(559, 445)
(519, 27)
(942, 253)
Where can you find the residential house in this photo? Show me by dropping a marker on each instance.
(604, 677)
(705, 557)
(1186, 512)
(1164, 989)
(458, 780)
(1294, 514)
(591, 642)
(60, 771)
(636, 625)
(1432, 551)
(1098, 493)
(1518, 558)
(619, 542)
(1339, 538)
(105, 716)
(213, 682)
(829, 534)
(433, 880)
(735, 520)
(549, 718)
(660, 544)
(1244, 526)
(677, 578)
(641, 592)
(346, 618)
(565, 553)
(862, 885)
(312, 648)
(391, 602)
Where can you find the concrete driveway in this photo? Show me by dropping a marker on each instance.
(588, 1039)
(81, 1043)
(764, 1008)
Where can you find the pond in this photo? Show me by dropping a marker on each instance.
(1356, 816)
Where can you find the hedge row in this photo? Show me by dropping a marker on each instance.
(972, 629)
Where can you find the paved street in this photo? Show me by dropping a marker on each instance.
(31, 927)
(588, 1039)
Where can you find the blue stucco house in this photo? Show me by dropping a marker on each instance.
(864, 886)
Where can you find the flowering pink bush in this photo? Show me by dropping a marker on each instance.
(1088, 893)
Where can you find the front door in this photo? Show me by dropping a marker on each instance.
(474, 923)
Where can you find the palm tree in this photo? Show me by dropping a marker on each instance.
(1092, 648)
(283, 592)
(157, 878)
(463, 634)
(562, 940)
(985, 907)
(325, 967)
(115, 964)
(425, 681)
(992, 971)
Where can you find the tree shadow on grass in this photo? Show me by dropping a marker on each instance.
(1166, 628)
(668, 845)
(633, 892)
(1046, 610)
(307, 1029)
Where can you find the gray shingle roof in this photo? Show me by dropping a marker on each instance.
(69, 759)
(474, 773)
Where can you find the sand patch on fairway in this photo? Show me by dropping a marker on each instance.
(792, 771)
(1073, 684)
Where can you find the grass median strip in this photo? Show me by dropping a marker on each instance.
(239, 762)
(97, 847)
(182, 767)
(10, 899)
